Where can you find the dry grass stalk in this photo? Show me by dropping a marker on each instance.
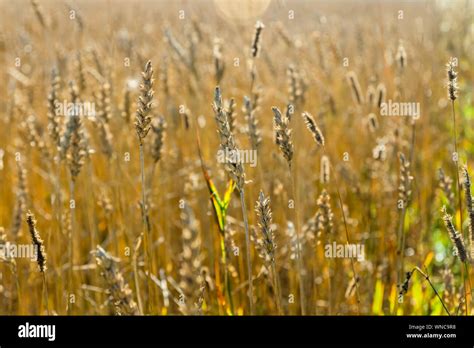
(252, 124)
(136, 279)
(78, 147)
(404, 188)
(445, 183)
(372, 122)
(34, 137)
(37, 242)
(80, 72)
(39, 13)
(254, 52)
(355, 87)
(264, 214)
(452, 87)
(283, 140)
(255, 48)
(231, 114)
(324, 216)
(401, 56)
(409, 275)
(40, 253)
(54, 124)
(106, 138)
(452, 80)
(267, 242)
(381, 93)
(371, 95)
(325, 170)
(404, 197)
(119, 292)
(73, 122)
(103, 116)
(145, 101)
(127, 105)
(219, 64)
(470, 207)
(158, 128)
(227, 144)
(142, 126)
(313, 128)
(294, 89)
(283, 134)
(455, 236)
(235, 170)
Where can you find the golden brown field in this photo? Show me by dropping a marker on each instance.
(120, 122)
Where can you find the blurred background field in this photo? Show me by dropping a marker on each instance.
(307, 50)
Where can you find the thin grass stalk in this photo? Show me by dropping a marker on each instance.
(57, 206)
(71, 246)
(452, 88)
(237, 173)
(400, 250)
(221, 224)
(227, 280)
(146, 238)
(41, 257)
(247, 247)
(401, 241)
(277, 287)
(452, 94)
(266, 245)
(135, 273)
(458, 242)
(404, 196)
(142, 127)
(456, 163)
(92, 224)
(292, 172)
(427, 278)
(341, 205)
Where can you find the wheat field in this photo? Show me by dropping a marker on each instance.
(219, 157)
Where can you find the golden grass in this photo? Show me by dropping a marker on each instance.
(138, 222)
